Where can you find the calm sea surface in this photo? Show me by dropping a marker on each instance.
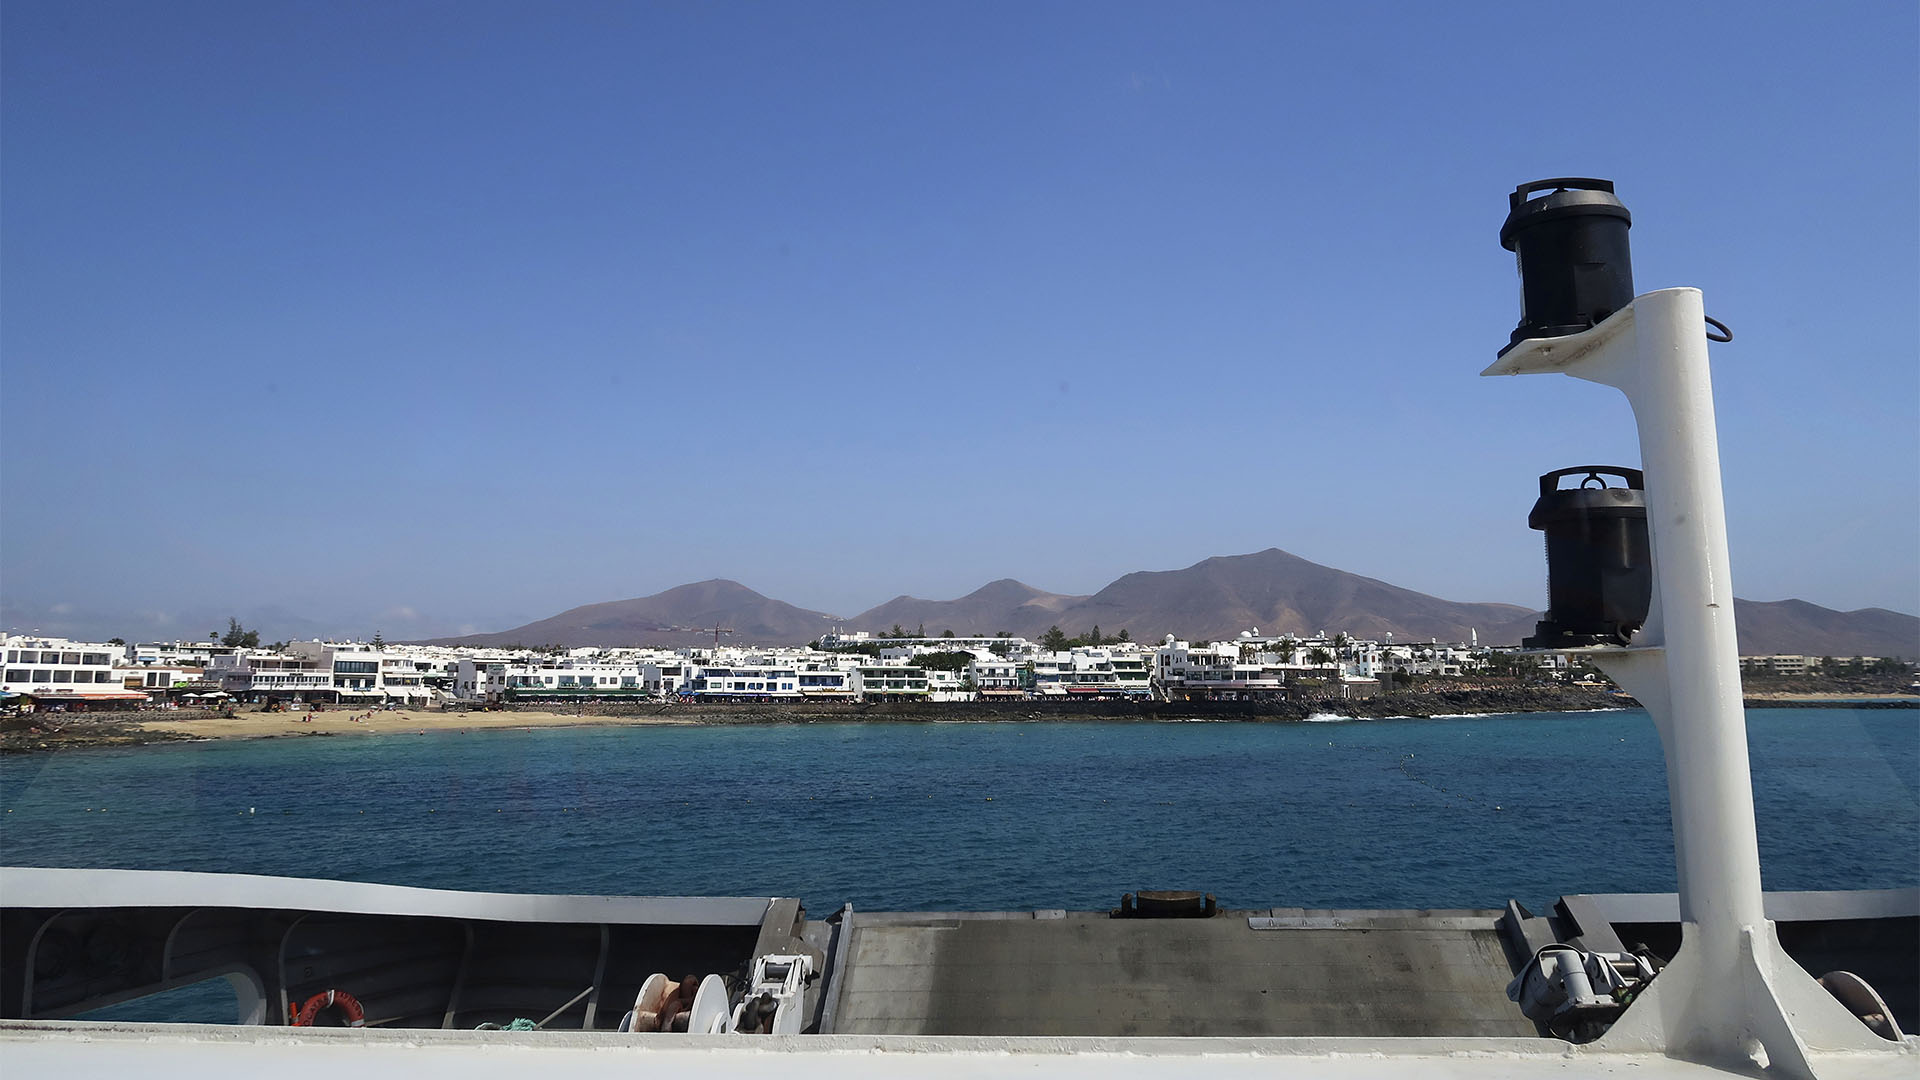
(1463, 812)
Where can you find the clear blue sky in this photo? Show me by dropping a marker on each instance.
(421, 317)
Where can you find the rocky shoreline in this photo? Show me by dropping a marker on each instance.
(1413, 705)
(64, 731)
(31, 732)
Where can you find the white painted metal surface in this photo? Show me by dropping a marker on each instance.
(710, 1015)
(782, 977)
(43, 887)
(194, 1052)
(1732, 995)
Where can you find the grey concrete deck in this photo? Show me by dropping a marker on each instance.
(1367, 974)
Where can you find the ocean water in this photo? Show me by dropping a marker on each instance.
(1456, 812)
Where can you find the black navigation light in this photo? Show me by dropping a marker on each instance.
(1599, 565)
(1571, 246)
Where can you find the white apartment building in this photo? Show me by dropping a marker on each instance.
(498, 679)
(787, 678)
(892, 682)
(1779, 665)
(1091, 672)
(360, 673)
(52, 671)
(259, 675)
(574, 678)
(662, 674)
(1222, 671)
(946, 685)
(998, 676)
(476, 679)
(176, 653)
(742, 680)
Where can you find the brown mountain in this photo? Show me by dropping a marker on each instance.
(998, 605)
(1283, 593)
(672, 618)
(1213, 598)
(1797, 627)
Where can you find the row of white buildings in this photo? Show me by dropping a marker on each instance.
(46, 670)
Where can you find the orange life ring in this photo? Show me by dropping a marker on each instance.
(348, 1005)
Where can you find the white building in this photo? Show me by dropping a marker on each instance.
(1221, 671)
(574, 679)
(176, 653)
(53, 671)
(547, 679)
(260, 675)
(361, 673)
(999, 676)
(1091, 671)
(892, 682)
(788, 677)
(157, 679)
(745, 680)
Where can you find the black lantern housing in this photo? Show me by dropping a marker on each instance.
(1571, 247)
(1599, 563)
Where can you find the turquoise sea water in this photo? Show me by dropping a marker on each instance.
(1460, 812)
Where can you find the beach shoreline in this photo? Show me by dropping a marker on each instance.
(63, 731)
(337, 721)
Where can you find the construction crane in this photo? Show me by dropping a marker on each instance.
(717, 631)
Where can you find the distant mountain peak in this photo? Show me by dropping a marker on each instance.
(1217, 597)
(1002, 588)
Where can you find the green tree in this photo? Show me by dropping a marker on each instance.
(896, 632)
(116, 641)
(378, 641)
(944, 661)
(947, 632)
(238, 636)
(1287, 648)
(1123, 635)
(1054, 640)
(1093, 636)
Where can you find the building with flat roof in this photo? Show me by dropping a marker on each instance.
(52, 672)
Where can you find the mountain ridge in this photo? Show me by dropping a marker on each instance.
(1217, 597)
(676, 617)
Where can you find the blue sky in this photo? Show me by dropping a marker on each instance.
(421, 317)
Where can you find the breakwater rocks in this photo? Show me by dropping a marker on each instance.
(28, 732)
(1443, 703)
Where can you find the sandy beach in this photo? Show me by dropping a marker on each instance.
(336, 721)
(1838, 698)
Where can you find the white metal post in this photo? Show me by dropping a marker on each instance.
(1731, 995)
